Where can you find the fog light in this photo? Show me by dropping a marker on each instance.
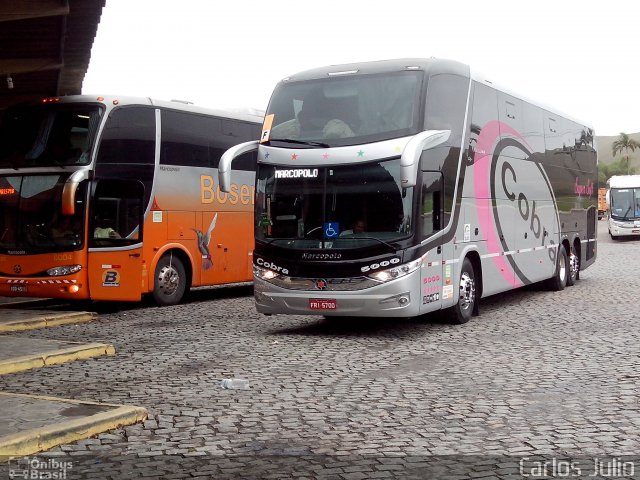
(401, 299)
(74, 289)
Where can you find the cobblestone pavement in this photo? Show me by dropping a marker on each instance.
(539, 375)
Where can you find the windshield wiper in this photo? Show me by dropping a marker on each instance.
(300, 142)
(388, 245)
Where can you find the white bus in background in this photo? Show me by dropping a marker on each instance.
(623, 202)
(402, 187)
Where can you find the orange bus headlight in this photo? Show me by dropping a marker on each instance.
(64, 270)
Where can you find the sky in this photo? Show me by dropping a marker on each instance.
(577, 56)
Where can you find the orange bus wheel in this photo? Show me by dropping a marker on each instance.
(170, 281)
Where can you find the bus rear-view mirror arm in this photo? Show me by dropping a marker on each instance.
(410, 159)
(224, 167)
(69, 191)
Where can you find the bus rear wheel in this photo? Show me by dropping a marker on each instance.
(170, 281)
(462, 311)
(574, 267)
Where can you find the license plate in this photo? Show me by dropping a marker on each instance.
(322, 304)
(635, 231)
(18, 289)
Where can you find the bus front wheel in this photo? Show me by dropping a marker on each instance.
(463, 310)
(170, 281)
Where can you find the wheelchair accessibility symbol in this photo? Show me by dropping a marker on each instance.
(331, 229)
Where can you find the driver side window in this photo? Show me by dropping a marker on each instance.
(431, 203)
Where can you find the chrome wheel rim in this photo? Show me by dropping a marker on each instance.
(563, 268)
(467, 291)
(168, 280)
(574, 264)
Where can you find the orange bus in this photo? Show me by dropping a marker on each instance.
(109, 198)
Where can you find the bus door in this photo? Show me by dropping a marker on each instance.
(432, 273)
(115, 240)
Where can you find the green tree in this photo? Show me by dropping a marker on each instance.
(620, 167)
(623, 144)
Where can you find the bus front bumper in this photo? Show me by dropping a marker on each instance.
(43, 287)
(392, 299)
(623, 230)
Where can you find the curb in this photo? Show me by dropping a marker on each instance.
(47, 320)
(27, 362)
(44, 438)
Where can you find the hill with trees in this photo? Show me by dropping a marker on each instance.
(626, 160)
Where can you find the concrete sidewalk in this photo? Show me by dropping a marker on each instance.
(16, 320)
(31, 424)
(18, 354)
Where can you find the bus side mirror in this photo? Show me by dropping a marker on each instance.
(224, 167)
(69, 191)
(410, 158)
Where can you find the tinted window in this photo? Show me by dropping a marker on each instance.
(348, 110)
(128, 136)
(446, 105)
(235, 132)
(187, 139)
(116, 213)
(431, 213)
(31, 218)
(49, 135)
(533, 129)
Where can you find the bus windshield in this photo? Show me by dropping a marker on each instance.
(48, 135)
(350, 206)
(625, 203)
(349, 110)
(31, 220)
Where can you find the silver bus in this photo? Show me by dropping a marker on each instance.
(401, 187)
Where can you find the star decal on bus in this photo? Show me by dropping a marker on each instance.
(360, 153)
(294, 156)
(325, 156)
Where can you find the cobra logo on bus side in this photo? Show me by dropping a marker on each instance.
(519, 196)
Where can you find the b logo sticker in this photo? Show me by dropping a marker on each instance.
(110, 278)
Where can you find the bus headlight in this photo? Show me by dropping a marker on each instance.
(65, 270)
(396, 272)
(264, 273)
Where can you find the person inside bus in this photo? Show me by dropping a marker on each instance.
(359, 226)
(61, 151)
(105, 232)
(321, 117)
(66, 228)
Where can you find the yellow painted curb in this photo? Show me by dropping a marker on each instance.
(47, 320)
(45, 438)
(69, 354)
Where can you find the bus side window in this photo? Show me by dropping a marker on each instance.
(431, 213)
(117, 213)
(234, 132)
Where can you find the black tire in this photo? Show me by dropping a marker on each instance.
(559, 279)
(573, 263)
(464, 309)
(170, 281)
